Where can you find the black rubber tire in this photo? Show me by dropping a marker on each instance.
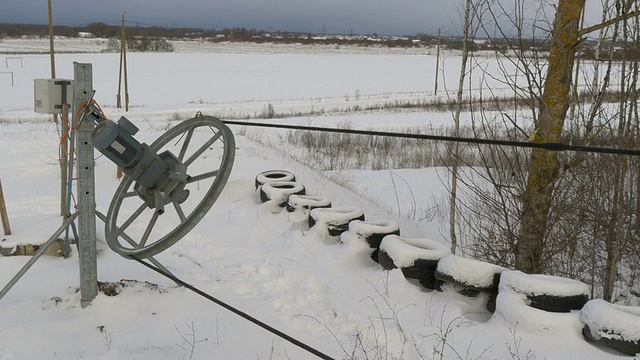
(273, 175)
(417, 248)
(463, 289)
(449, 279)
(336, 226)
(625, 347)
(559, 304)
(385, 260)
(616, 327)
(541, 290)
(421, 269)
(282, 188)
(306, 202)
(491, 302)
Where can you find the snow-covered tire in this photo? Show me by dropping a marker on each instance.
(334, 220)
(303, 204)
(471, 277)
(273, 175)
(372, 232)
(547, 292)
(514, 309)
(279, 191)
(616, 327)
(417, 258)
(469, 273)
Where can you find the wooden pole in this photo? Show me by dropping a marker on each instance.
(64, 159)
(124, 60)
(51, 51)
(3, 213)
(435, 88)
(122, 47)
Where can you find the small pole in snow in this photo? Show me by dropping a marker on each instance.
(3, 213)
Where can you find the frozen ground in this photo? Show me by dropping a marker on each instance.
(325, 294)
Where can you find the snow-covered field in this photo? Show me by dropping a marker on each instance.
(328, 295)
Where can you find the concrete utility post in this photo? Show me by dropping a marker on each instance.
(83, 80)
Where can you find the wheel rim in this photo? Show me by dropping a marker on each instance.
(207, 147)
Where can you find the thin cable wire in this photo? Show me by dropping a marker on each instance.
(236, 311)
(546, 146)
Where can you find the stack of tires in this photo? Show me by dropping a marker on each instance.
(277, 186)
(537, 302)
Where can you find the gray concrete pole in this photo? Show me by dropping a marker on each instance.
(83, 87)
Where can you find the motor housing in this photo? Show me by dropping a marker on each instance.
(116, 142)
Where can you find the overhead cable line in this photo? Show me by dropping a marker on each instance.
(524, 144)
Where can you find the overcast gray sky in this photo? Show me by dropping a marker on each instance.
(401, 17)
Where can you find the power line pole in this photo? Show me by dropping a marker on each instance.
(123, 69)
(435, 88)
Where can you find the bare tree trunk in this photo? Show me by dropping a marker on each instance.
(614, 238)
(544, 167)
(456, 131)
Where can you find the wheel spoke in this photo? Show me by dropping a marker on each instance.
(147, 231)
(202, 149)
(185, 144)
(131, 219)
(203, 176)
(129, 194)
(179, 210)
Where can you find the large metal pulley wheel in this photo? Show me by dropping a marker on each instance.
(198, 154)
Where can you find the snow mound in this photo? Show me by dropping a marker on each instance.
(612, 321)
(471, 272)
(406, 250)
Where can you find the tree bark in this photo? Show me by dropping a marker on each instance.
(544, 167)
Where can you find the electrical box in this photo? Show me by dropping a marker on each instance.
(50, 94)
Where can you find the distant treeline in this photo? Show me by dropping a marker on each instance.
(421, 40)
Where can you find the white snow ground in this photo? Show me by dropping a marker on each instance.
(325, 295)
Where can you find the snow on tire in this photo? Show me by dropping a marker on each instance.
(279, 191)
(470, 277)
(469, 273)
(372, 232)
(547, 292)
(417, 258)
(333, 221)
(273, 175)
(616, 327)
(299, 206)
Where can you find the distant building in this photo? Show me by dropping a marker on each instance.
(85, 35)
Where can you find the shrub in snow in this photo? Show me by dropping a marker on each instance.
(614, 326)
(546, 292)
(331, 222)
(372, 232)
(299, 206)
(471, 277)
(279, 191)
(273, 175)
(416, 257)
